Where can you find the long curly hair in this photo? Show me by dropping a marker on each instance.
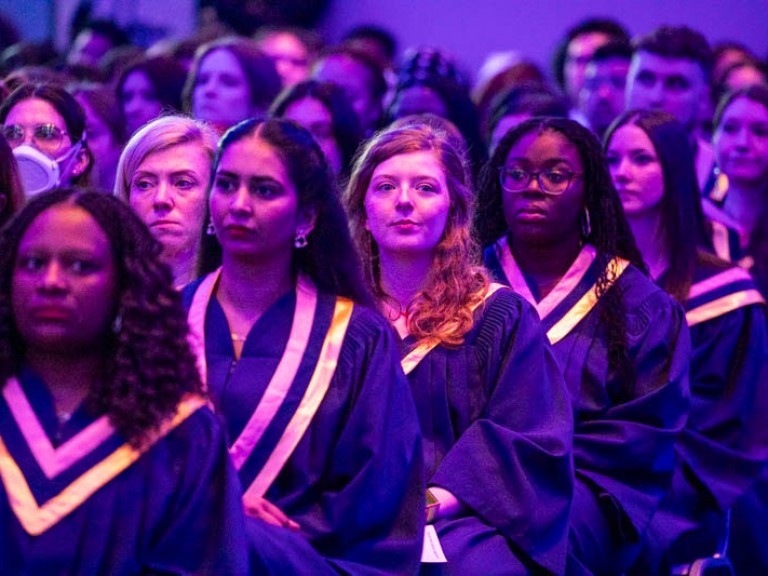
(456, 281)
(330, 258)
(610, 233)
(148, 365)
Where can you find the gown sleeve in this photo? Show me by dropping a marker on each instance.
(625, 433)
(512, 466)
(203, 530)
(724, 447)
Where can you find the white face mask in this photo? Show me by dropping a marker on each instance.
(39, 172)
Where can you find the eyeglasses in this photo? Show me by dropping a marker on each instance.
(551, 181)
(46, 137)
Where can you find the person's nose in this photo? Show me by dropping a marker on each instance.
(163, 198)
(240, 202)
(54, 278)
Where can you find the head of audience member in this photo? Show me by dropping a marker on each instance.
(104, 130)
(518, 104)
(45, 126)
(426, 62)
(273, 204)
(670, 71)
(651, 161)
(361, 78)
(292, 50)
(739, 75)
(741, 137)
(519, 73)
(164, 173)
(36, 75)
(444, 127)
(547, 184)
(726, 54)
(230, 80)
(374, 40)
(27, 54)
(576, 50)
(11, 191)
(447, 99)
(147, 88)
(601, 98)
(93, 41)
(183, 51)
(118, 59)
(87, 256)
(410, 197)
(323, 109)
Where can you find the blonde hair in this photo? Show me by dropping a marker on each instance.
(159, 135)
(456, 281)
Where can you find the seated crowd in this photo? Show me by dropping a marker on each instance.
(274, 307)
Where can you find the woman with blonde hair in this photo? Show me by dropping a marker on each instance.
(494, 412)
(163, 174)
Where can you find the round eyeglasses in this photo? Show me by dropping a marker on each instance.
(46, 137)
(551, 181)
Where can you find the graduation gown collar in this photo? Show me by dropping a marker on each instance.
(573, 297)
(282, 381)
(45, 482)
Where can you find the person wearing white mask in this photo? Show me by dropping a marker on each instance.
(45, 127)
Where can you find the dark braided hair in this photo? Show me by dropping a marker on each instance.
(148, 365)
(610, 232)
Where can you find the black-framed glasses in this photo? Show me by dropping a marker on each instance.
(47, 137)
(551, 181)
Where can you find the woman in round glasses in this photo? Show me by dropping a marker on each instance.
(563, 243)
(494, 411)
(323, 428)
(45, 126)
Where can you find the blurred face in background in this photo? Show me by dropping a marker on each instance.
(601, 99)
(139, 101)
(312, 114)
(289, 54)
(221, 94)
(577, 56)
(741, 142)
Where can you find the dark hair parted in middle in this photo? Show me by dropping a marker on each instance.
(330, 258)
(682, 219)
(346, 127)
(610, 232)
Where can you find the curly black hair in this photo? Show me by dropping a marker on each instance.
(148, 365)
(610, 232)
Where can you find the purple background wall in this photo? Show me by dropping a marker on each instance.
(468, 28)
(473, 28)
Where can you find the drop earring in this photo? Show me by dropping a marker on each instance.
(210, 230)
(300, 240)
(586, 225)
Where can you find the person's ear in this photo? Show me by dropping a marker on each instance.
(82, 161)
